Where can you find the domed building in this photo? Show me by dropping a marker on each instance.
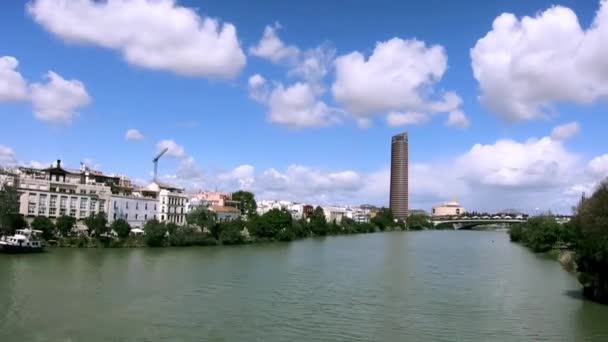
(451, 208)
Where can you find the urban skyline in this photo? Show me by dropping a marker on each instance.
(279, 110)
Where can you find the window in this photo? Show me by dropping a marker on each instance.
(136, 205)
(164, 198)
(72, 191)
(126, 216)
(63, 202)
(84, 203)
(145, 217)
(83, 191)
(146, 206)
(93, 205)
(73, 202)
(73, 212)
(115, 205)
(102, 206)
(162, 217)
(115, 216)
(84, 213)
(136, 216)
(155, 208)
(31, 204)
(53, 203)
(127, 205)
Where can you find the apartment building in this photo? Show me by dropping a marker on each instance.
(56, 191)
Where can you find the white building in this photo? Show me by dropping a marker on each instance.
(173, 203)
(334, 213)
(135, 209)
(451, 208)
(55, 191)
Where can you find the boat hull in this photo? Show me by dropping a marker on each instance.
(12, 249)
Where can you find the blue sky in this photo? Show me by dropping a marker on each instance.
(335, 146)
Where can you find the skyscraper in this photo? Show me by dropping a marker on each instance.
(399, 176)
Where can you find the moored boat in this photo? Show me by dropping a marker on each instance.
(24, 241)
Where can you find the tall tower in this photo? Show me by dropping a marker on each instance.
(399, 176)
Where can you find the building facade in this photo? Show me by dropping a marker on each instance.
(399, 187)
(135, 209)
(55, 191)
(451, 208)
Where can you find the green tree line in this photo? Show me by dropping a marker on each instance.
(586, 234)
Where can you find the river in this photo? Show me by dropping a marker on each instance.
(401, 286)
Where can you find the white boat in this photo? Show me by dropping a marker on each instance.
(24, 241)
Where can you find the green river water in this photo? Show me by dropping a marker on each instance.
(402, 286)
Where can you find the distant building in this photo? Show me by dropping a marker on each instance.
(56, 191)
(334, 214)
(307, 211)
(452, 208)
(399, 199)
(135, 208)
(172, 202)
(225, 213)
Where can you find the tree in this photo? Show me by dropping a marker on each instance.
(230, 232)
(97, 224)
(155, 233)
(45, 225)
(10, 220)
(65, 224)
(318, 222)
(591, 225)
(248, 204)
(270, 224)
(121, 228)
(202, 217)
(383, 219)
(418, 222)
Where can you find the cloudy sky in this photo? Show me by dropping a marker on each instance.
(504, 102)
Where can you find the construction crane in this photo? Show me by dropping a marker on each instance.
(155, 161)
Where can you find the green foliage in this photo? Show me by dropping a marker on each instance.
(383, 219)
(590, 225)
(516, 232)
(202, 217)
(418, 222)
(45, 225)
(248, 203)
(97, 224)
(318, 223)
(171, 227)
(270, 224)
(539, 233)
(121, 227)
(65, 224)
(155, 233)
(230, 232)
(10, 220)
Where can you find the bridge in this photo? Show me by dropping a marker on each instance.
(464, 222)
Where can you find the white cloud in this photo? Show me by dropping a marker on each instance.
(174, 150)
(134, 135)
(565, 131)
(58, 99)
(154, 34)
(241, 177)
(258, 88)
(399, 76)
(314, 65)
(271, 47)
(7, 155)
(297, 106)
(13, 86)
(457, 118)
(395, 119)
(525, 66)
(300, 183)
(598, 166)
